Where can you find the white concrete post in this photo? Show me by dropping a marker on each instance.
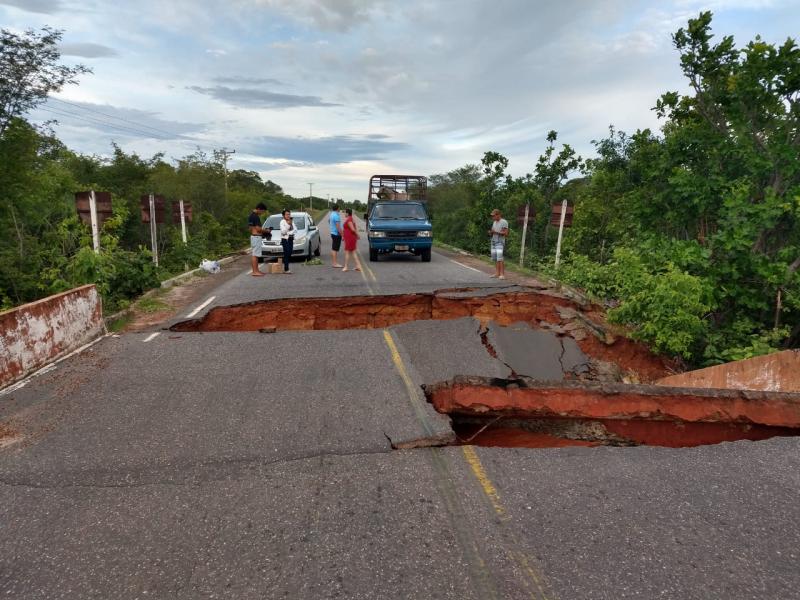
(524, 235)
(95, 225)
(153, 237)
(561, 231)
(183, 222)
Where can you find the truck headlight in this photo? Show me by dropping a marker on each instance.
(377, 234)
(424, 233)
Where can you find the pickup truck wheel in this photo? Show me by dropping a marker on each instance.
(426, 255)
(373, 255)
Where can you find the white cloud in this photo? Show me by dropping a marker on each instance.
(444, 80)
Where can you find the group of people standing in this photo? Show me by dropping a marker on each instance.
(257, 233)
(347, 230)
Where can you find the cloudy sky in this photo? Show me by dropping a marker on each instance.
(333, 91)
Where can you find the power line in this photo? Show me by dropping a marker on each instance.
(93, 121)
(92, 110)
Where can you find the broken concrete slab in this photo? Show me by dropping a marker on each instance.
(536, 353)
(528, 397)
(617, 414)
(530, 352)
(443, 349)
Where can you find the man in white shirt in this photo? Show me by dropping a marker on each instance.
(287, 239)
(499, 232)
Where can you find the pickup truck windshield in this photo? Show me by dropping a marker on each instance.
(399, 211)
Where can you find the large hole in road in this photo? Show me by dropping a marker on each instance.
(580, 409)
(541, 309)
(534, 414)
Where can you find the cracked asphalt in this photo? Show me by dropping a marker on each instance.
(247, 465)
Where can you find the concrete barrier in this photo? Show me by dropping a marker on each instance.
(35, 334)
(777, 372)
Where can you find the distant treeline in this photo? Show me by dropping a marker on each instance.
(44, 247)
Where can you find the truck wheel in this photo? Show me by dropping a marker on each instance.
(373, 255)
(426, 255)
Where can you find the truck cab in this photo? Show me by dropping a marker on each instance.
(397, 216)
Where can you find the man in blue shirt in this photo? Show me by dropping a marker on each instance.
(335, 221)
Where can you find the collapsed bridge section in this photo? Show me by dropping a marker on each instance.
(540, 309)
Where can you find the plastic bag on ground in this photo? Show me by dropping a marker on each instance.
(210, 266)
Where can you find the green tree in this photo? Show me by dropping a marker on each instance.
(30, 70)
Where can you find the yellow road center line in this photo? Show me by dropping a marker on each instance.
(491, 492)
(369, 271)
(483, 479)
(474, 462)
(413, 396)
(366, 280)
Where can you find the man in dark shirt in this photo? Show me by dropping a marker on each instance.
(254, 222)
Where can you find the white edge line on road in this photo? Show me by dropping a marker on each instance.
(465, 266)
(47, 368)
(201, 307)
(152, 336)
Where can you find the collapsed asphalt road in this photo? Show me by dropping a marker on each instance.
(251, 465)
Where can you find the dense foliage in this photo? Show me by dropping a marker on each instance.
(44, 248)
(30, 69)
(691, 235)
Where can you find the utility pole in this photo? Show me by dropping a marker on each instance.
(310, 195)
(329, 201)
(222, 155)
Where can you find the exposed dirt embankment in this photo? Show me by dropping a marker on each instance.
(540, 309)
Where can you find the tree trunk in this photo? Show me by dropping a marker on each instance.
(17, 229)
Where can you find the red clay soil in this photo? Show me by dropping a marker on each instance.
(669, 434)
(371, 312)
(531, 399)
(515, 437)
(674, 434)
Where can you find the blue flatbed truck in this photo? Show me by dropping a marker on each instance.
(397, 216)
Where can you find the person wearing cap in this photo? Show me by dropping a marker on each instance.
(498, 232)
(254, 222)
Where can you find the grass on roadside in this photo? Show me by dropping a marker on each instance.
(151, 305)
(511, 265)
(120, 323)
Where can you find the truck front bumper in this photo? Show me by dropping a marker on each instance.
(414, 245)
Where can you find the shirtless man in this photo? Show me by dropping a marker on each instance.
(254, 222)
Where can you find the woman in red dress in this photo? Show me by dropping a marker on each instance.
(351, 237)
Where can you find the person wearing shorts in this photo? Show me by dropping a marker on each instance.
(254, 223)
(499, 232)
(335, 221)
